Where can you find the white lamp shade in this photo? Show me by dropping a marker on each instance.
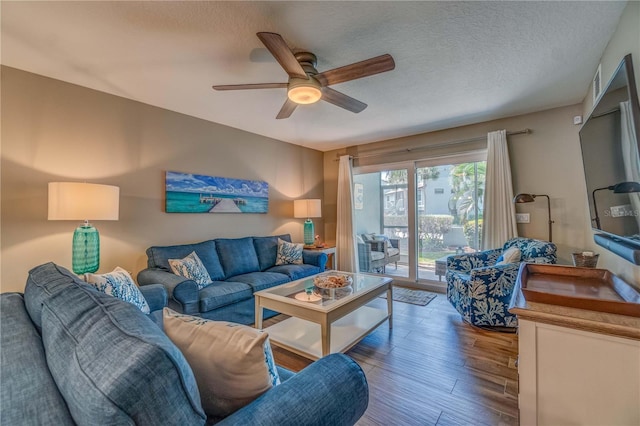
(307, 208)
(83, 201)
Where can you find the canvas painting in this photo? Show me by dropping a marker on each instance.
(190, 193)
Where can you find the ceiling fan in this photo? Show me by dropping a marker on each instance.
(306, 85)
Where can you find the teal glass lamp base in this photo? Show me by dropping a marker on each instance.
(309, 233)
(85, 249)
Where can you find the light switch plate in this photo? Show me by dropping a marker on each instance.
(522, 217)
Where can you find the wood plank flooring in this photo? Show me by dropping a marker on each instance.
(432, 369)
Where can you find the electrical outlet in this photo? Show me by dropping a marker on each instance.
(522, 217)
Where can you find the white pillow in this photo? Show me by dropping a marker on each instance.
(289, 253)
(233, 363)
(119, 283)
(510, 255)
(191, 267)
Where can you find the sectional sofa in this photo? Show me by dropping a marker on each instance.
(238, 267)
(73, 355)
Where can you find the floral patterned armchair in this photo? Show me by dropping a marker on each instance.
(481, 290)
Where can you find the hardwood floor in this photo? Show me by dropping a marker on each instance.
(432, 369)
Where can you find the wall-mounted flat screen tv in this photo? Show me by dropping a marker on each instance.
(609, 142)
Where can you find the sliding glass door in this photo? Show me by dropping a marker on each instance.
(449, 214)
(381, 221)
(426, 210)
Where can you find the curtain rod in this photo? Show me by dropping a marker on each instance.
(438, 145)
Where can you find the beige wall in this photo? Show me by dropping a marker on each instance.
(625, 40)
(55, 131)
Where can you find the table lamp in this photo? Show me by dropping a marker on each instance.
(307, 209)
(529, 198)
(84, 201)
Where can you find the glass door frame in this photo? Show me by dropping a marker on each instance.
(410, 206)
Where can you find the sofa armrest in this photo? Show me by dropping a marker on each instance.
(178, 288)
(315, 258)
(331, 391)
(466, 262)
(155, 295)
(499, 279)
(364, 257)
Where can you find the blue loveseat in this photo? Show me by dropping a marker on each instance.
(238, 267)
(72, 355)
(480, 289)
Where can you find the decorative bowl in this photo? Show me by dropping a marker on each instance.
(332, 281)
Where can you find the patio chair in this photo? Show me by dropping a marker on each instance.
(479, 285)
(376, 251)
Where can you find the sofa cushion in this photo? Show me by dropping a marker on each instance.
(191, 267)
(510, 255)
(158, 257)
(267, 249)
(28, 393)
(237, 256)
(261, 280)
(43, 282)
(289, 253)
(119, 283)
(295, 272)
(222, 293)
(112, 364)
(233, 363)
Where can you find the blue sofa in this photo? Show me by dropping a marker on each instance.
(480, 290)
(238, 267)
(72, 355)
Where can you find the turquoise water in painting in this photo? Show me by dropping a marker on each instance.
(189, 202)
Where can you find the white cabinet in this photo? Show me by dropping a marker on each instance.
(575, 377)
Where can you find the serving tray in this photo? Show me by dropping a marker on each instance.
(582, 288)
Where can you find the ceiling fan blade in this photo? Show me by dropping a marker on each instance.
(342, 100)
(361, 69)
(279, 49)
(251, 86)
(287, 109)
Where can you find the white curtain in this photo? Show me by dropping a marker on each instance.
(630, 153)
(499, 216)
(346, 245)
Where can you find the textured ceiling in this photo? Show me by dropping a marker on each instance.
(457, 63)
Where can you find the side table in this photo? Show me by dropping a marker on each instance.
(441, 267)
(330, 251)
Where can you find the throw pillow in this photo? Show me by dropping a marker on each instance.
(289, 253)
(191, 267)
(119, 283)
(510, 255)
(233, 363)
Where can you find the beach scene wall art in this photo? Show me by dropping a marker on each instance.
(190, 193)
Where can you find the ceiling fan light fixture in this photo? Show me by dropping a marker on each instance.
(304, 91)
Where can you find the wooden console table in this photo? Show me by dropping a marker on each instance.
(576, 366)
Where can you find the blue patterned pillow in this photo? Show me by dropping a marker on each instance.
(119, 284)
(233, 363)
(289, 253)
(191, 267)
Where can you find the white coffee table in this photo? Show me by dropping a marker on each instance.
(331, 324)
